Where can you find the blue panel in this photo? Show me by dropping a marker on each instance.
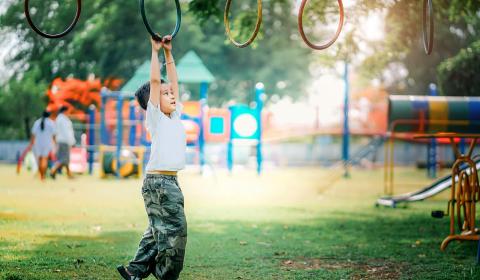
(244, 122)
(474, 116)
(216, 125)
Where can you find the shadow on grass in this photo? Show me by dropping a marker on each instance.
(71, 257)
(376, 244)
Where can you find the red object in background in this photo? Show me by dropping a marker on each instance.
(78, 160)
(77, 95)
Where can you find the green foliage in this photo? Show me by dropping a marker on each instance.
(460, 75)
(404, 42)
(110, 40)
(21, 103)
(205, 10)
(464, 10)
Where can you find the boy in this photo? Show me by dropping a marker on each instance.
(162, 248)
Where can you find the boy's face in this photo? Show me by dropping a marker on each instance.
(167, 99)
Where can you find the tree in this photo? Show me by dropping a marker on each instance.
(110, 41)
(460, 75)
(456, 25)
(455, 28)
(21, 103)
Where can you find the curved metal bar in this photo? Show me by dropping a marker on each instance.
(428, 39)
(52, 36)
(154, 35)
(257, 25)
(304, 37)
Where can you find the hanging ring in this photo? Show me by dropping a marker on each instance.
(257, 25)
(47, 35)
(154, 35)
(304, 37)
(428, 39)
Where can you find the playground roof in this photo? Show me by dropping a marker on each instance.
(190, 69)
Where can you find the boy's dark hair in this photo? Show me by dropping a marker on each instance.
(143, 94)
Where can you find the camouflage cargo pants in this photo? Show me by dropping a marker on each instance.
(162, 248)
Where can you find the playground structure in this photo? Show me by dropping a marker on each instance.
(131, 161)
(465, 191)
(414, 115)
(229, 126)
(434, 117)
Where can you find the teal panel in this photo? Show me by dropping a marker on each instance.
(216, 125)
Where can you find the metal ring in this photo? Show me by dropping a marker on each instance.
(302, 33)
(257, 25)
(154, 35)
(52, 36)
(428, 39)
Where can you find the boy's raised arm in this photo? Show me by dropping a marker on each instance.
(171, 69)
(155, 76)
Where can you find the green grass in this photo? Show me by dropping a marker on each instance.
(284, 225)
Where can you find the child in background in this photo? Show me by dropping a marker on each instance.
(43, 141)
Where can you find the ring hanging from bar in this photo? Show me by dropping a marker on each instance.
(428, 39)
(304, 37)
(52, 36)
(257, 25)
(154, 35)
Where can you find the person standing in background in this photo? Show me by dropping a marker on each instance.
(65, 140)
(43, 141)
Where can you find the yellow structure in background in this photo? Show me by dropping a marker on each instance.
(131, 161)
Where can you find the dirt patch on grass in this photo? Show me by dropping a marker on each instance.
(371, 269)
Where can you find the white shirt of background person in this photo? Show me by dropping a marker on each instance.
(65, 132)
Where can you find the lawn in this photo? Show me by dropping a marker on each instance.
(286, 224)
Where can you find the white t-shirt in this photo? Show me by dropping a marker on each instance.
(65, 132)
(168, 139)
(43, 144)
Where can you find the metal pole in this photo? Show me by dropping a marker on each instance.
(201, 136)
(91, 137)
(432, 146)
(119, 132)
(230, 144)
(259, 94)
(133, 125)
(103, 127)
(346, 132)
